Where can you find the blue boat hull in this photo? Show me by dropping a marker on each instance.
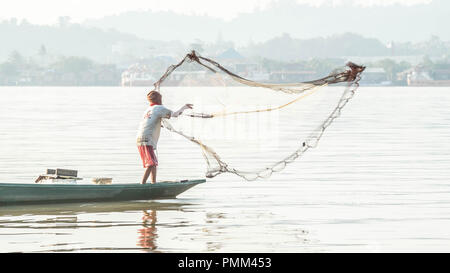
(56, 193)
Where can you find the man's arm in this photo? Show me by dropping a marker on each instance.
(179, 112)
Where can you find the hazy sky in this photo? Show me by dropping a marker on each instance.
(47, 11)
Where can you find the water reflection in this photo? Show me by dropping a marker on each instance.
(148, 233)
(101, 207)
(67, 227)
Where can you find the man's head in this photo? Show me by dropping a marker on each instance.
(154, 97)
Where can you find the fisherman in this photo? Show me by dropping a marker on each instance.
(149, 130)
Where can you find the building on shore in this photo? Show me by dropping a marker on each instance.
(291, 76)
(375, 76)
(420, 76)
(187, 78)
(137, 75)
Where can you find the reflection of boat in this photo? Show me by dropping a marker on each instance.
(93, 207)
(65, 193)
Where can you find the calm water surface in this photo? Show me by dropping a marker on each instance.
(378, 181)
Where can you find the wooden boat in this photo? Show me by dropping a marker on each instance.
(67, 193)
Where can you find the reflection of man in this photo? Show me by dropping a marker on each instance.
(147, 235)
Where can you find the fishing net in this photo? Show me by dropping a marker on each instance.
(252, 128)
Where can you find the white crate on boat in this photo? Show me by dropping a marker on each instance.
(58, 181)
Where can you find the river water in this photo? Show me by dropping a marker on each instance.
(377, 182)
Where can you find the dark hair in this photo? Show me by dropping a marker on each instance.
(154, 97)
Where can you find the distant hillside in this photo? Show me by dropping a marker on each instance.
(399, 23)
(70, 40)
(286, 48)
(114, 47)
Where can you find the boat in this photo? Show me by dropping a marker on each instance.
(14, 193)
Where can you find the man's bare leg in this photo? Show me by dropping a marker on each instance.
(148, 171)
(153, 174)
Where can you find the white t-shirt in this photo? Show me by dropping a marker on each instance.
(150, 126)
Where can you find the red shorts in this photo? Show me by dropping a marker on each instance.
(148, 156)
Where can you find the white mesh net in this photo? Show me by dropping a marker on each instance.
(236, 122)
